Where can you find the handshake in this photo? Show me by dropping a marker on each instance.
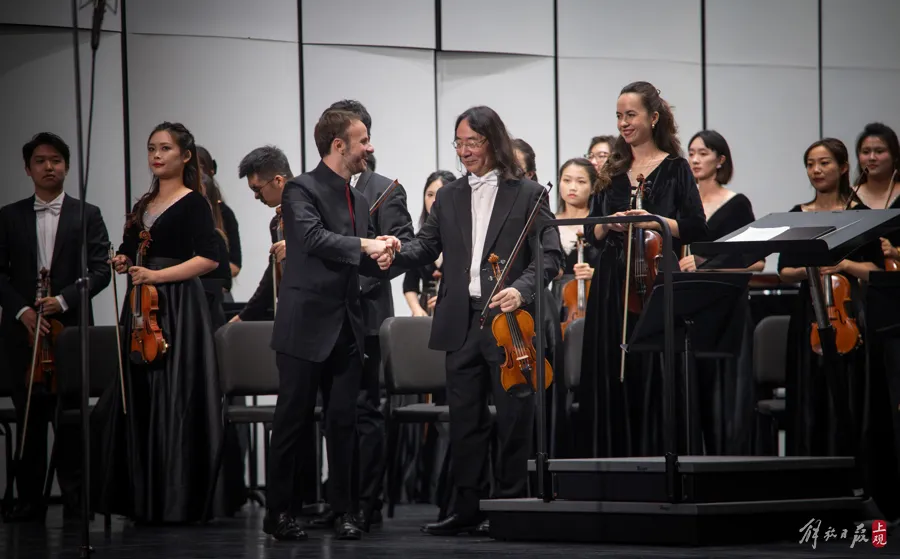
(382, 249)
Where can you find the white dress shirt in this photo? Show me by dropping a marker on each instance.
(355, 179)
(47, 221)
(484, 192)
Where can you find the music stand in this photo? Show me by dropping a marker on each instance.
(814, 239)
(703, 298)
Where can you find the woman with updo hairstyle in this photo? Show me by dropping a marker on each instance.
(156, 463)
(624, 417)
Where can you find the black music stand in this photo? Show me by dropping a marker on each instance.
(706, 299)
(814, 239)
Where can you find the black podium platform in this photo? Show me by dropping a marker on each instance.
(699, 500)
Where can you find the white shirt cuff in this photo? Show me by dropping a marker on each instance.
(21, 312)
(62, 303)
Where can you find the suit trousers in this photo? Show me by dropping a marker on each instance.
(472, 376)
(299, 381)
(370, 425)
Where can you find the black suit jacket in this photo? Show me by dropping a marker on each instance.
(19, 260)
(320, 287)
(391, 218)
(261, 303)
(449, 230)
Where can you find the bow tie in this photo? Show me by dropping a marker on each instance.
(488, 179)
(54, 207)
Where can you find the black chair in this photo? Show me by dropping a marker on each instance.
(410, 368)
(247, 367)
(103, 368)
(769, 370)
(7, 421)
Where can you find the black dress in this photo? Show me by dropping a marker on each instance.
(726, 386)
(157, 462)
(625, 418)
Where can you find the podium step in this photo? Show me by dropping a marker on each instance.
(702, 479)
(664, 523)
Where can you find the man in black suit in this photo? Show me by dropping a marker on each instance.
(478, 215)
(44, 231)
(319, 333)
(391, 218)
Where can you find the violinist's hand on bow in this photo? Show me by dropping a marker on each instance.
(121, 263)
(279, 249)
(51, 305)
(643, 224)
(508, 300)
(619, 227)
(141, 275)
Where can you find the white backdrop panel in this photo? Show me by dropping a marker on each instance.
(503, 26)
(272, 20)
(389, 23)
(860, 34)
(38, 81)
(397, 88)
(767, 130)
(228, 116)
(56, 13)
(589, 89)
(636, 30)
(854, 98)
(518, 88)
(768, 32)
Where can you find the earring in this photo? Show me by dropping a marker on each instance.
(718, 166)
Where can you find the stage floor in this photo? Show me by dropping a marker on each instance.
(398, 539)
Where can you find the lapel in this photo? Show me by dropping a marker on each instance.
(462, 206)
(360, 214)
(503, 203)
(67, 216)
(30, 232)
(363, 181)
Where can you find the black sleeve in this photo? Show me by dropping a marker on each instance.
(743, 214)
(9, 297)
(689, 212)
(98, 254)
(130, 240)
(234, 236)
(412, 281)
(204, 239)
(262, 299)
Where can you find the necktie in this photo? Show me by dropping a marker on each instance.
(350, 208)
(54, 207)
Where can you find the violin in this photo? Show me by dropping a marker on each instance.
(891, 265)
(42, 371)
(147, 341)
(514, 332)
(643, 256)
(575, 292)
(837, 300)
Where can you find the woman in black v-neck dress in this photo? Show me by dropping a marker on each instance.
(624, 418)
(156, 463)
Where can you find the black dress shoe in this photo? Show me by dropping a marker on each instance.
(27, 512)
(323, 521)
(375, 520)
(483, 529)
(346, 527)
(453, 525)
(283, 527)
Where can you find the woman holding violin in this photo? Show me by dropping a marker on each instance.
(156, 461)
(620, 396)
(811, 427)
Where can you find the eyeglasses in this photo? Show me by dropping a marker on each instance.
(471, 144)
(597, 155)
(258, 189)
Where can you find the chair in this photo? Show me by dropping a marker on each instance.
(103, 368)
(7, 421)
(247, 367)
(410, 368)
(770, 372)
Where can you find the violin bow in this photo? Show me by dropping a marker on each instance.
(515, 252)
(112, 254)
(864, 173)
(34, 357)
(383, 197)
(638, 192)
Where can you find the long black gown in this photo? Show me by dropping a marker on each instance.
(157, 462)
(625, 418)
(726, 386)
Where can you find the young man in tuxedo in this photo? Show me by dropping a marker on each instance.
(479, 214)
(391, 218)
(319, 333)
(44, 232)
